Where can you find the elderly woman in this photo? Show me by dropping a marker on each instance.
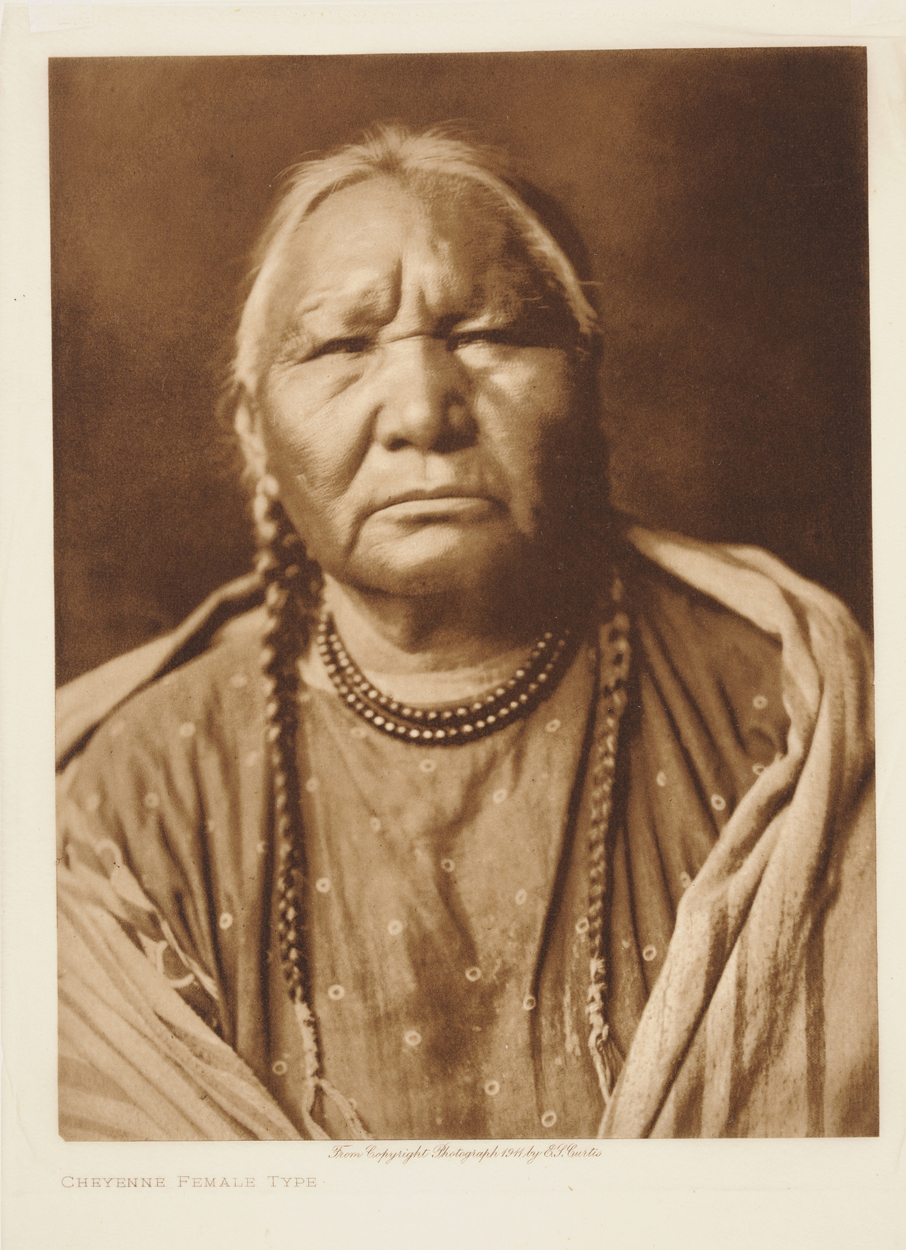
(476, 812)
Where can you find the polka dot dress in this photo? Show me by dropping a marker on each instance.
(433, 878)
(445, 901)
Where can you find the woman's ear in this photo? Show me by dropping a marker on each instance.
(248, 432)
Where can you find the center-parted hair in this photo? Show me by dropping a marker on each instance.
(428, 163)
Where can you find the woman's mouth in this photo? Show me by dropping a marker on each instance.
(451, 507)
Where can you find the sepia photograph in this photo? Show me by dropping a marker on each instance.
(463, 582)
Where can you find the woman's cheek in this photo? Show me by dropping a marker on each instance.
(303, 439)
(531, 407)
(540, 381)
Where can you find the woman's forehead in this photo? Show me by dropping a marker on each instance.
(443, 210)
(356, 245)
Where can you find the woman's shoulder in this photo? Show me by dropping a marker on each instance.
(215, 695)
(223, 680)
(742, 590)
(184, 664)
(739, 612)
(172, 761)
(690, 622)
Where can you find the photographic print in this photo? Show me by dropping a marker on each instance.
(463, 587)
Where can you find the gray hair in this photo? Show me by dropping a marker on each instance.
(411, 157)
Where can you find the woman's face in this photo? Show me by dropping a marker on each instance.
(416, 399)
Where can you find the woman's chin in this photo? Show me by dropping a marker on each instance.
(438, 561)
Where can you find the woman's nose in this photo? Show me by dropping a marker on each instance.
(423, 400)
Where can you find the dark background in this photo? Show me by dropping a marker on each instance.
(722, 196)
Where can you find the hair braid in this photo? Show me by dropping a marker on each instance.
(614, 668)
(292, 589)
(291, 586)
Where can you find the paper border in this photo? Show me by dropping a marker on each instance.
(644, 1194)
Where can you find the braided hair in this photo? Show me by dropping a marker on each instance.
(291, 587)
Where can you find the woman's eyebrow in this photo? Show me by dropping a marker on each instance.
(290, 341)
(495, 316)
(353, 304)
(312, 304)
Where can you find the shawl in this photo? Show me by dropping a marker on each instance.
(762, 1021)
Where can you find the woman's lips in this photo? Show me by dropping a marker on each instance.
(441, 507)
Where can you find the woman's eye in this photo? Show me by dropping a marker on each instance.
(341, 347)
(502, 338)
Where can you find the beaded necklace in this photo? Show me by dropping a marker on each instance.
(281, 562)
(448, 724)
